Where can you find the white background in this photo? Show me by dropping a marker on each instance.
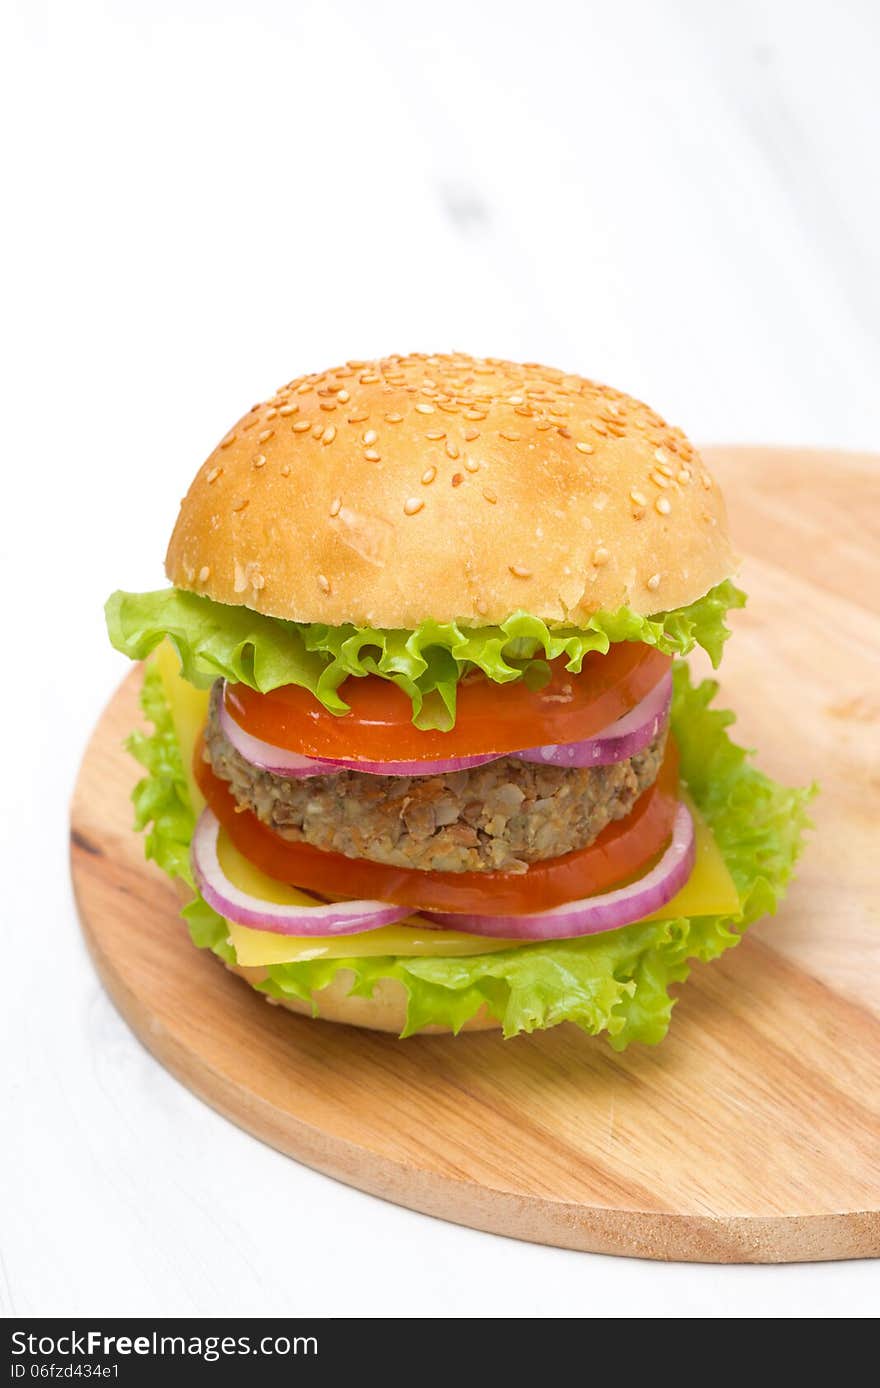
(203, 198)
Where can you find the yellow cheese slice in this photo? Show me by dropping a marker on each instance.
(263, 947)
(189, 709)
(709, 891)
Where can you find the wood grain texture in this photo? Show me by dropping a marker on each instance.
(753, 1133)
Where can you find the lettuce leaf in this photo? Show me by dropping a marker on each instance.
(617, 982)
(161, 799)
(215, 639)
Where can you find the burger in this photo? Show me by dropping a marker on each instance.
(425, 751)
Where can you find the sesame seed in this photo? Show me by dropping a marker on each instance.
(303, 388)
(302, 425)
(260, 460)
(285, 469)
(638, 512)
(706, 481)
(684, 475)
(660, 455)
(599, 428)
(317, 431)
(327, 405)
(240, 582)
(563, 432)
(343, 397)
(329, 434)
(451, 449)
(457, 479)
(543, 424)
(435, 435)
(271, 413)
(475, 414)
(519, 572)
(287, 410)
(372, 455)
(264, 435)
(471, 464)
(509, 435)
(490, 495)
(424, 408)
(335, 506)
(239, 503)
(412, 506)
(584, 447)
(428, 475)
(653, 582)
(663, 505)
(323, 583)
(370, 436)
(600, 556)
(394, 418)
(358, 417)
(370, 379)
(230, 438)
(638, 498)
(666, 470)
(213, 475)
(658, 479)
(204, 573)
(515, 400)
(470, 435)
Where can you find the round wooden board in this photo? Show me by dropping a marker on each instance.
(753, 1133)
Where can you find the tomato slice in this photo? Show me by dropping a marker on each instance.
(623, 850)
(489, 717)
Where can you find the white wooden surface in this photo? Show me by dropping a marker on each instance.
(204, 197)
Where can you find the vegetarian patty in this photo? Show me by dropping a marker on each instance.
(498, 817)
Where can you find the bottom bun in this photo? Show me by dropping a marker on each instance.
(384, 1011)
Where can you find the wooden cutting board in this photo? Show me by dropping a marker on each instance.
(753, 1133)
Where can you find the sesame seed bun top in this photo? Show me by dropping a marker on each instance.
(449, 487)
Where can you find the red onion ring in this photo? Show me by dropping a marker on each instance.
(632, 733)
(594, 914)
(417, 768)
(329, 919)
